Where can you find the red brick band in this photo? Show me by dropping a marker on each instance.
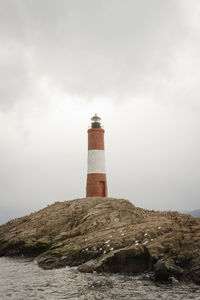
(96, 139)
(96, 185)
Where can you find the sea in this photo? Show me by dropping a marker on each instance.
(22, 279)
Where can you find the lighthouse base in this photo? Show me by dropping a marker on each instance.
(96, 185)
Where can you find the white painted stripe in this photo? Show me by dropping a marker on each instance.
(96, 161)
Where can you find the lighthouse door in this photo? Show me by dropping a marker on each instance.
(102, 189)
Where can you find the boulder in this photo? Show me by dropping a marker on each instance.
(126, 260)
(50, 262)
(164, 269)
(195, 274)
(68, 257)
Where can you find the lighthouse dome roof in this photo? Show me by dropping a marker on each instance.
(95, 118)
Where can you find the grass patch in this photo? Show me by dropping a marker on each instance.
(70, 252)
(51, 252)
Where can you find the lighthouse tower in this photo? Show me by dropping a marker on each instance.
(96, 175)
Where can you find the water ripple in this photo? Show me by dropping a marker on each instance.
(22, 279)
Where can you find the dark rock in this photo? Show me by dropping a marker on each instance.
(164, 269)
(18, 248)
(127, 260)
(195, 274)
(90, 266)
(50, 262)
(69, 257)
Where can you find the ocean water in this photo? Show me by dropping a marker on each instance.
(22, 279)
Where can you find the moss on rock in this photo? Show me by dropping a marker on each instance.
(16, 248)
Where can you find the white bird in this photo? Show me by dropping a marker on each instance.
(107, 241)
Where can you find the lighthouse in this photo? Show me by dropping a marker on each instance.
(96, 175)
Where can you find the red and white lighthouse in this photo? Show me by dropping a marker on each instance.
(96, 175)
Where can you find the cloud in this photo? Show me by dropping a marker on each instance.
(112, 49)
(134, 62)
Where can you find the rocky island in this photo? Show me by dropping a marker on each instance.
(107, 235)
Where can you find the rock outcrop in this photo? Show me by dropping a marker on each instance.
(107, 235)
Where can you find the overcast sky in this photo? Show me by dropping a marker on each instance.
(134, 62)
